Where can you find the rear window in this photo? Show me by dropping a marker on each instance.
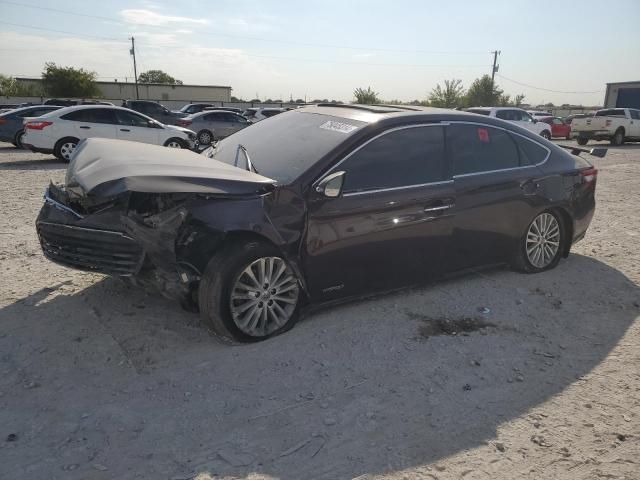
(612, 112)
(477, 149)
(531, 153)
(308, 138)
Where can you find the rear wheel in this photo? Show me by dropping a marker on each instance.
(175, 143)
(618, 138)
(249, 293)
(65, 147)
(205, 137)
(17, 139)
(581, 141)
(542, 244)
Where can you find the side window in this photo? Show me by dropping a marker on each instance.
(635, 114)
(77, 116)
(103, 115)
(91, 115)
(215, 117)
(480, 148)
(531, 153)
(523, 116)
(130, 119)
(557, 121)
(410, 156)
(504, 115)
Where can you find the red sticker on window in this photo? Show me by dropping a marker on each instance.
(483, 135)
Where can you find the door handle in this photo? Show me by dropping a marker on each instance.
(439, 208)
(85, 127)
(125, 130)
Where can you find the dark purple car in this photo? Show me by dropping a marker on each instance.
(317, 205)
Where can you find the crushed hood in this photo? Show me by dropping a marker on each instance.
(103, 168)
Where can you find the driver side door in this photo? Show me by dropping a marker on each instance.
(390, 225)
(135, 128)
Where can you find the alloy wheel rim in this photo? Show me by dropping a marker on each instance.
(543, 240)
(205, 138)
(264, 296)
(67, 150)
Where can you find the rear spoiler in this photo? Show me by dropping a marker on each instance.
(596, 152)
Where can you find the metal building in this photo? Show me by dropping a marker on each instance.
(622, 94)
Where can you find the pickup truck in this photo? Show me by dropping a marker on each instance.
(617, 125)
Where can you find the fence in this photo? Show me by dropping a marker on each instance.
(171, 104)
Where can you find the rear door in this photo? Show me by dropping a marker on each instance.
(136, 128)
(559, 128)
(92, 122)
(634, 124)
(496, 189)
(220, 124)
(391, 225)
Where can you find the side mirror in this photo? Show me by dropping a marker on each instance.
(152, 124)
(331, 185)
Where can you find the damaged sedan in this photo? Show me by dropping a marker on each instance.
(317, 205)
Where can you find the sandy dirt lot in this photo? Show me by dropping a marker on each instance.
(101, 381)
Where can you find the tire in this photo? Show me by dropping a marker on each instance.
(225, 275)
(17, 139)
(582, 141)
(175, 143)
(618, 138)
(527, 259)
(545, 134)
(64, 148)
(205, 137)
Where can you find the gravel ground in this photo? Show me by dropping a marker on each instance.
(490, 375)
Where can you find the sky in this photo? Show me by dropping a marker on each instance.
(553, 51)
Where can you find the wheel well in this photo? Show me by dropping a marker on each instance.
(620, 129)
(568, 225)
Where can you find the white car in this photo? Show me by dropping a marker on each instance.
(516, 116)
(617, 125)
(60, 131)
(255, 115)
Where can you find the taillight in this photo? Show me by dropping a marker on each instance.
(37, 125)
(2, 121)
(184, 123)
(589, 175)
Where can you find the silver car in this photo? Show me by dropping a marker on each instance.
(212, 125)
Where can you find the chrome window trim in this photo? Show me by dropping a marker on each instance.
(473, 174)
(378, 190)
(391, 189)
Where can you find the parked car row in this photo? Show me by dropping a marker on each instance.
(313, 206)
(618, 125)
(61, 130)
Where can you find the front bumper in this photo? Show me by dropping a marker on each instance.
(68, 239)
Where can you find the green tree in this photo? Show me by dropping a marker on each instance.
(519, 99)
(451, 96)
(366, 97)
(157, 76)
(480, 93)
(236, 99)
(69, 81)
(10, 87)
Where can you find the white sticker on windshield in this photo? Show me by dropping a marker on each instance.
(338, 126)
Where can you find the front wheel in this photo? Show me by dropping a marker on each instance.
(249, 293)
(582, 141)
(175, 143)
(540, 247)
(618, 138)
(65, 147)
(546, 135)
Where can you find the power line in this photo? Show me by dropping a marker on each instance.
(243, 37)
(542, 89)
(64, 32)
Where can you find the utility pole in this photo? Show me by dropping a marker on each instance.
(135, 70)
(495, 67)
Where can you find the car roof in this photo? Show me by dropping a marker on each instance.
(375, 113)
(73, 108)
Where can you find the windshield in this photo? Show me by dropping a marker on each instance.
(613, 112)
(288, 144)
